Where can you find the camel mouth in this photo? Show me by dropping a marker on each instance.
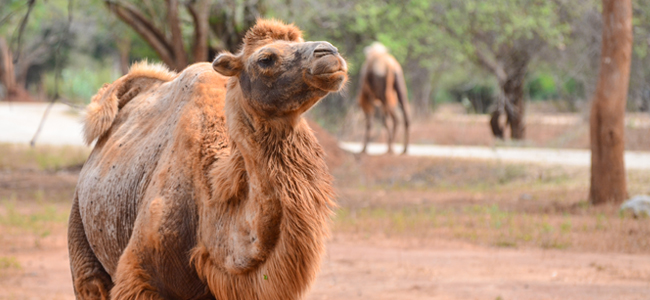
(330, 79)
(334, 73)
(328, 73)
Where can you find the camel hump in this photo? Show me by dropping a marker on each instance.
(110, 98)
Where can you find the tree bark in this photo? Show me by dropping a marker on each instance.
(608, 182)
(180, 56)
(497, 129)
(509, 65)
(421, 84)
(200, 12)
(513, 90)
(7, 74)
(124, 48)
(511, 102)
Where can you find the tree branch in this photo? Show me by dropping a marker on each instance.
(177, 37)
(23, 24)
(136, 20)
(488, 63)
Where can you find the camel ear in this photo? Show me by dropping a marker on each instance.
(227, 64)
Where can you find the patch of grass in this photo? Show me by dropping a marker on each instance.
(38, 223)
(9, 262)
(500, 227)
(429, 174)
(41, 157)
(511, 172)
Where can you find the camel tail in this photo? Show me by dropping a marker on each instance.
(104, 106)
(400, 88)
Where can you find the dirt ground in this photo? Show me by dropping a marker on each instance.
(405, 228)
(387, 243)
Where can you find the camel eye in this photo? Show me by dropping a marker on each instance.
(266, 61)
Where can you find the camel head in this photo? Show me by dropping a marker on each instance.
(279, 73)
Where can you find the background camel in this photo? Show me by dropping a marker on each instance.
(382, 84)
(204, 187)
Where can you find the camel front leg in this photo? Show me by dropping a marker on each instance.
(131, 280)
(366, 137)
(90, 280)
(384, 120)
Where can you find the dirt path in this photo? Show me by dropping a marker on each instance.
(392, 269)
(19, 122)
(388, 271)
(633, 159)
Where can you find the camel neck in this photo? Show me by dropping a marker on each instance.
(273, 191)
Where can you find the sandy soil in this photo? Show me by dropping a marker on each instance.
(444, 270)
(358, 265)
(389, 269)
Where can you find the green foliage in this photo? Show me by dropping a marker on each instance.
(505, 21)
(81, 80)
(542, 87)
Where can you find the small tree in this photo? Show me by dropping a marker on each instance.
(503, 37)
(608, 183)
(32, 33)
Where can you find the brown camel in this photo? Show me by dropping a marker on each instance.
(206, 187)
(382, 84)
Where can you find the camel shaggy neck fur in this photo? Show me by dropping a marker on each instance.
(207, 187)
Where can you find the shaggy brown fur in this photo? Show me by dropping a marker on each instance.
(382, 84)
(204, 187)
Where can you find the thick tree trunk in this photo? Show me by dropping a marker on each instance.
(513, 89)
(511, 101)
(608, 183)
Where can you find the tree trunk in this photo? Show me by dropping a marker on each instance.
(511, 102)
(497, 129)
(421, 84)
(180, 56)
(7, 74)
(200, 12)
(513, 90)
(124, 48)
(608, 183)
(172, 52)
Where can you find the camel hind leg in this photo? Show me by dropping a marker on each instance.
(90, 280)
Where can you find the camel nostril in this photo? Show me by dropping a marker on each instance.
(324, 49)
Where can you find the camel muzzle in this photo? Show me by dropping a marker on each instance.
(328, 69)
